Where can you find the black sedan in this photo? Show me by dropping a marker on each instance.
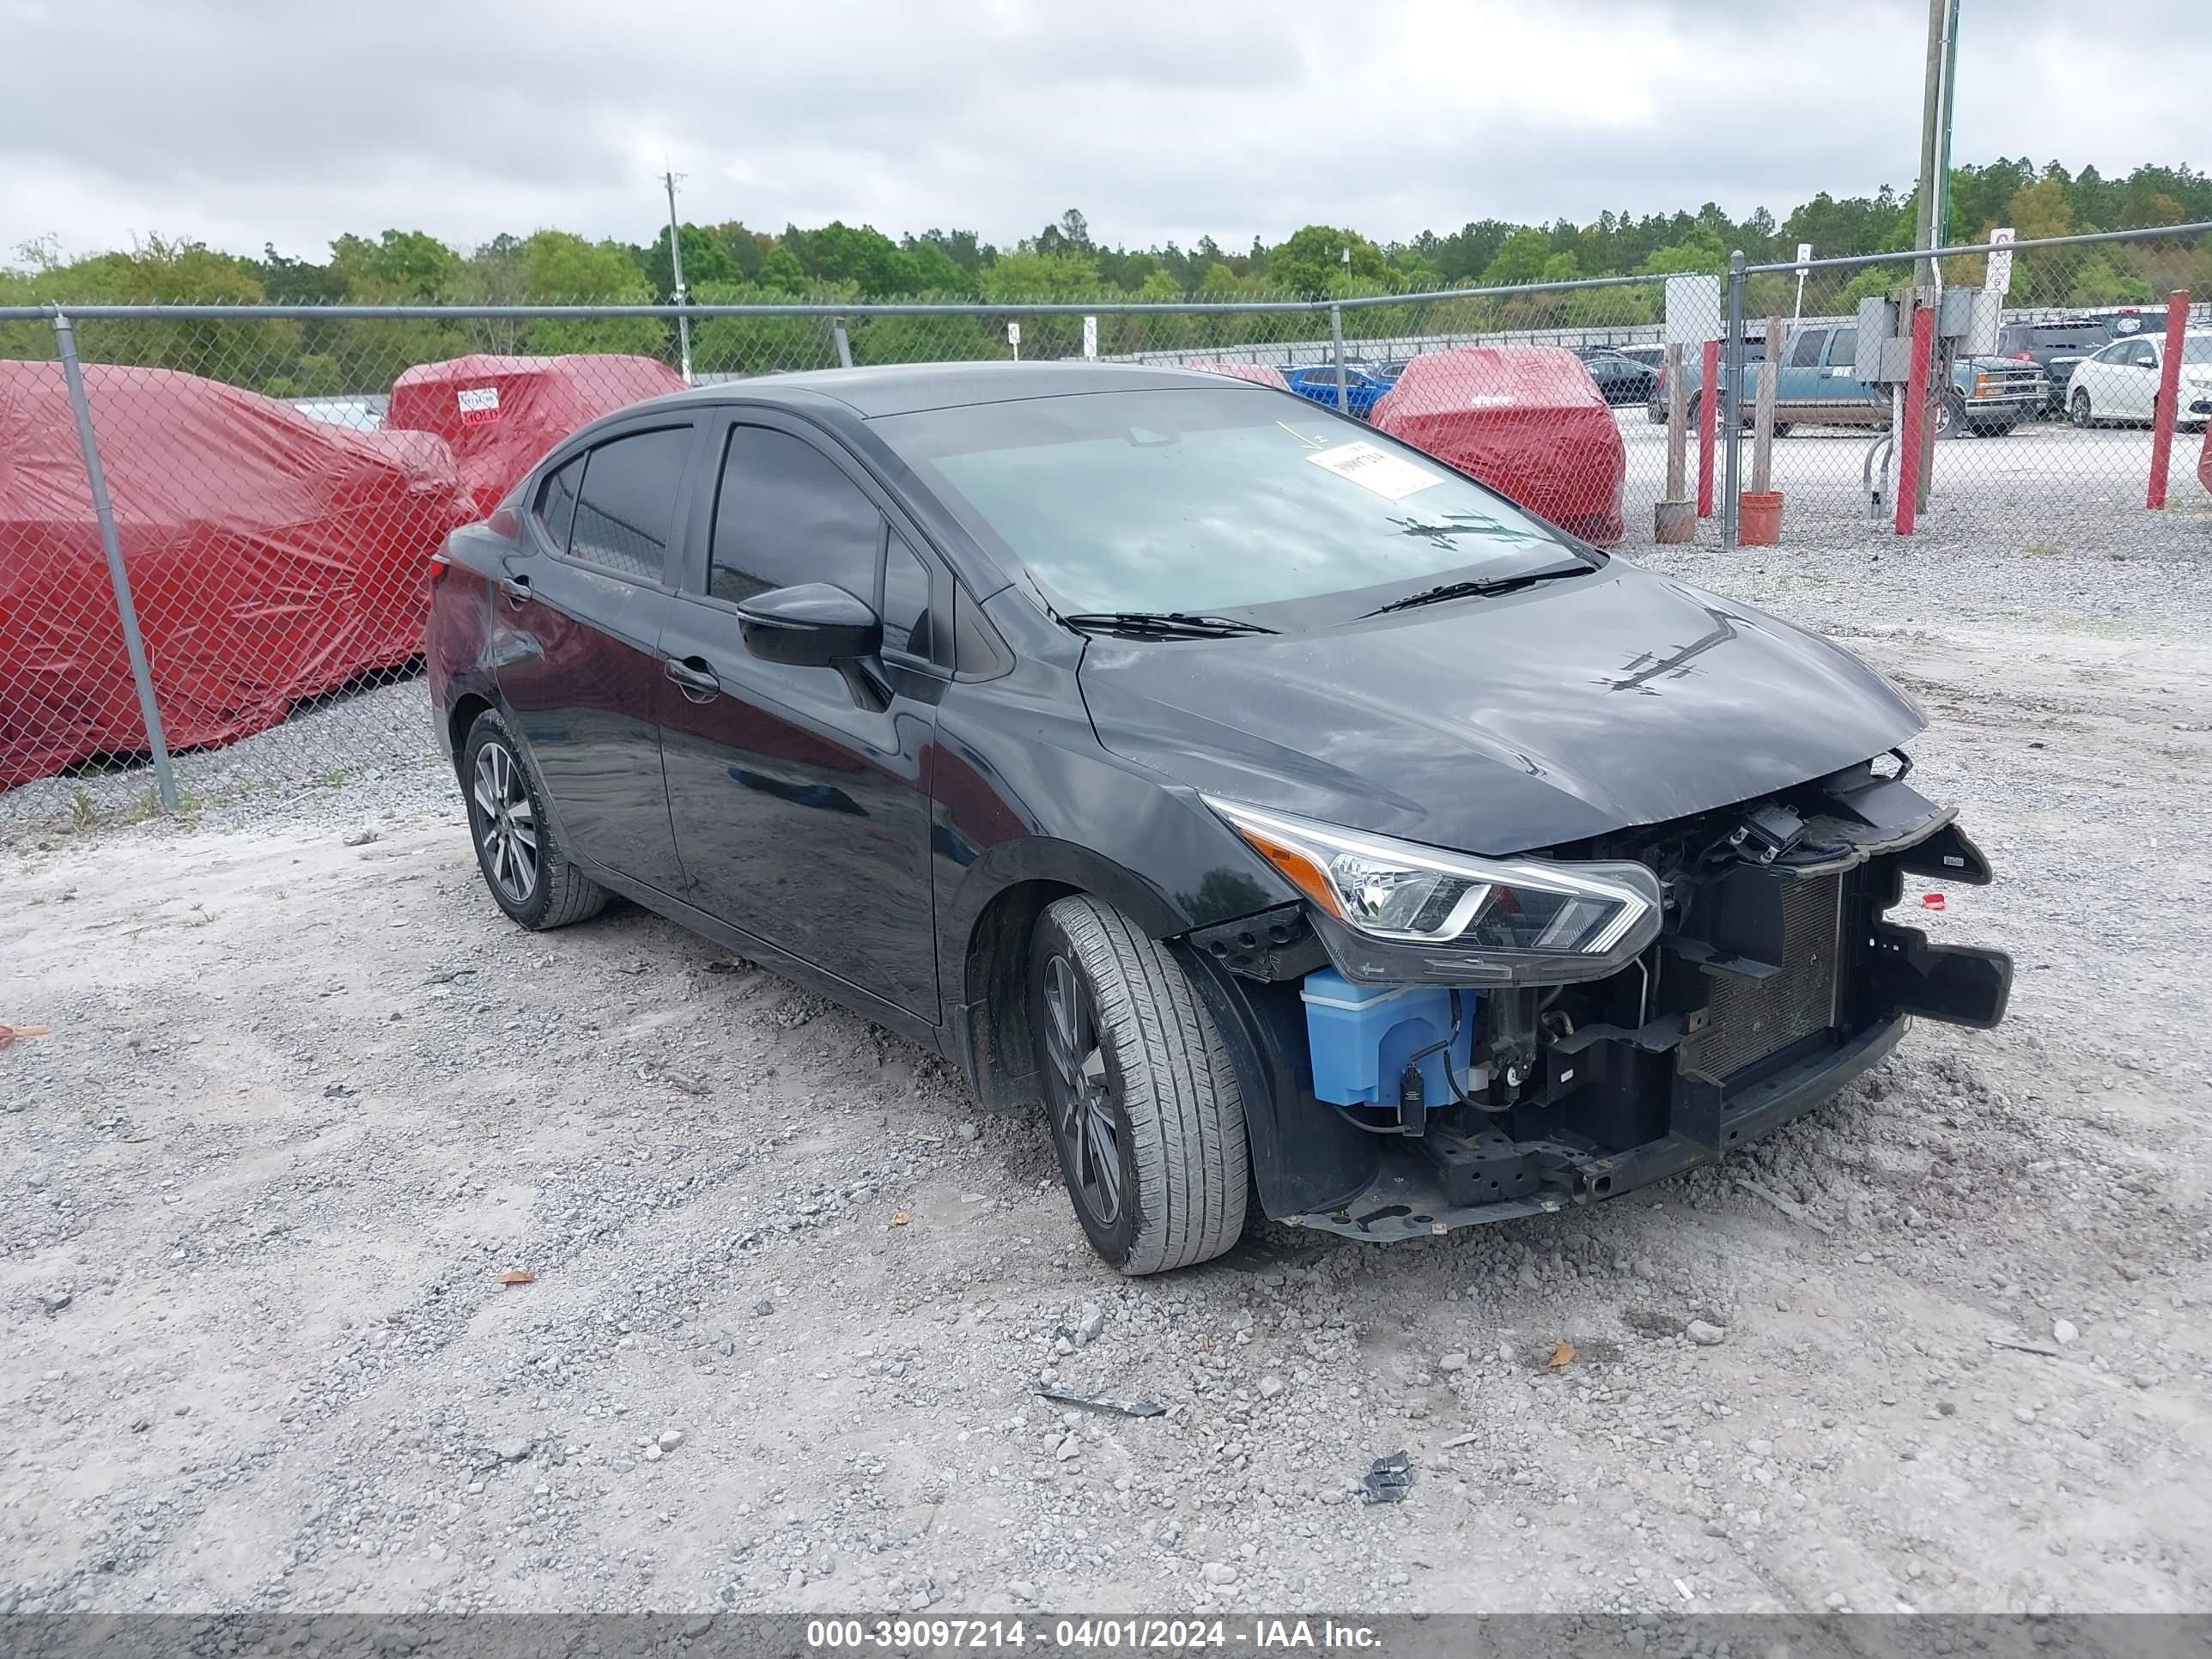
(1621, 379)
(1299, 823)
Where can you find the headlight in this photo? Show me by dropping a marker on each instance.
(1406, 894)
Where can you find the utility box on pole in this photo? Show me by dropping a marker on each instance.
(1872, 359)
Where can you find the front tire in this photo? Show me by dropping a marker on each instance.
(2078, 405)
(1147, 1114)
(518, 849)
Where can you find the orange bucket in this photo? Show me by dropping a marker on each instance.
(1759, 519)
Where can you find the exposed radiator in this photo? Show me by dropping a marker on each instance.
(1748, 1019)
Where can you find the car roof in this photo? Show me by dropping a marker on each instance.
(905, 388)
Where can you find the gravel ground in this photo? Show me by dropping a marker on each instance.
(308, 1096)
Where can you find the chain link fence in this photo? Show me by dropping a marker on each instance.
(215, 521)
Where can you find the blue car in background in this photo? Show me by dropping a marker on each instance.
(1363, 389)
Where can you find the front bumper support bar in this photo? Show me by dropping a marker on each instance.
(1406, 1200)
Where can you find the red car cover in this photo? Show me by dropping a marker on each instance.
(1258, 373)
(272, 557)
(500, 414)
(1529, 420)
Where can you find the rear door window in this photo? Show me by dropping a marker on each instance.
(556, 502)
(626, 502)
(1808, 349)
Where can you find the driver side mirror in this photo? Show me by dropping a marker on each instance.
(813, 625)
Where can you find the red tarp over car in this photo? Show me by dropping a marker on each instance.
(501, 414)
(270, 556)
(1529, 420)
(1258, 373)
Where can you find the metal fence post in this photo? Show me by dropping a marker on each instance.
(165, 778)
(1732, 467)
(2165, 413)
(1336, 350)
(844, 342)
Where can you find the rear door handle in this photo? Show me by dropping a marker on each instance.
(694, 677)
(517, 589)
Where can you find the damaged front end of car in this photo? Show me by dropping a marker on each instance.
(1435, 1041)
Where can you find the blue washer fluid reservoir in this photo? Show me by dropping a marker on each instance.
(1360, 1038)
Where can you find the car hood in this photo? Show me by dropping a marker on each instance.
(1503, 725)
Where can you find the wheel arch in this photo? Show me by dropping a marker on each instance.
(1003, 894)
(460, 718)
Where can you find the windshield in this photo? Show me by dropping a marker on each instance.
(1207, 499)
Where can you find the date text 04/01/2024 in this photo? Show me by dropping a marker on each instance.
(1091, 1634)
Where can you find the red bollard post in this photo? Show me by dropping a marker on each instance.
(1915, 411)
(2169, 395)
(1708, 424)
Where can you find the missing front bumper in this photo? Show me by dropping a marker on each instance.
(1408, 1197)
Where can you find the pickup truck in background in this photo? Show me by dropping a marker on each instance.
(1816, 387)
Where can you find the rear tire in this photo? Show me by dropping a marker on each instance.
(1146, 1110)
(518, 849)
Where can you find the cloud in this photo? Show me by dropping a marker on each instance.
(251, 121)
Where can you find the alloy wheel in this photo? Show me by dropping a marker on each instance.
(507, 823)
(1084, 1109)
(2081, 407)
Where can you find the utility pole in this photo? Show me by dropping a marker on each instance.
(1929, 203)
(1935, 135)
(676, 264)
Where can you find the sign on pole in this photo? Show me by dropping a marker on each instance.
(1091, 336)
(1694, 309)
(1014, 337)
(1998, 280)
(1804, 254)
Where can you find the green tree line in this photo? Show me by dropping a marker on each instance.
(732, 263)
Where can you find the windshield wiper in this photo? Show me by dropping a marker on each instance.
(1162, 624)
(1469, 590)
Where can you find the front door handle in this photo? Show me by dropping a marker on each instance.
(517, 589)
(694, 679)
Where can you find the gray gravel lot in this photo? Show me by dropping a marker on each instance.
(308, 1096)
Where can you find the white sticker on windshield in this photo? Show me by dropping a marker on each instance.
(1389, 476)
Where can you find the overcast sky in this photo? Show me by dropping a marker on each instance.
(239, 122)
